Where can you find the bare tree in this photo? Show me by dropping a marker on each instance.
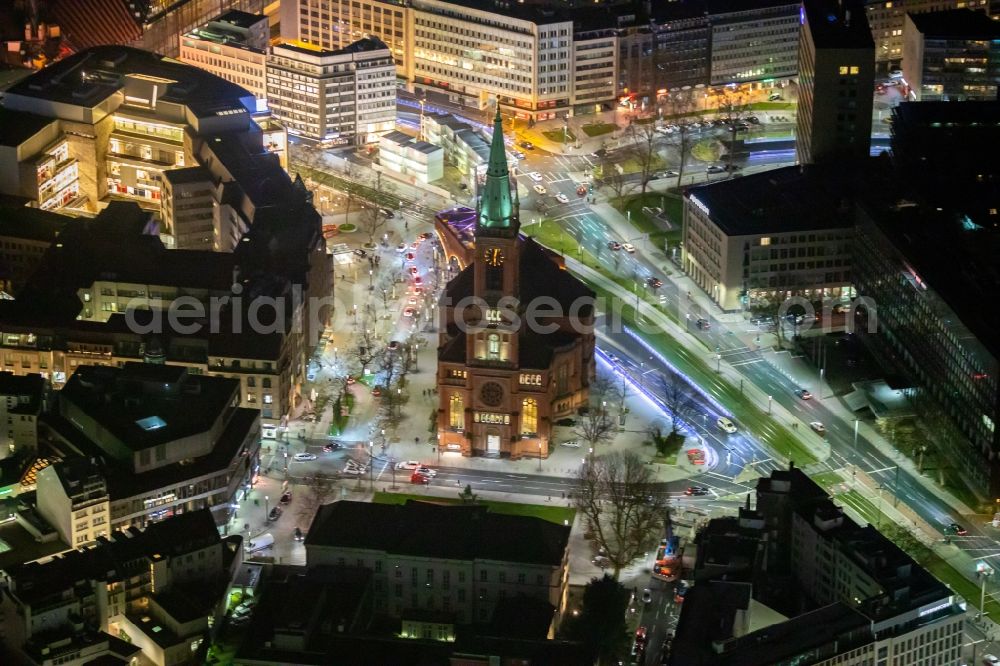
(614, 494)
(733, 110)
(644, 137)
(373, 219)
(366, 349)
(595, 426)
(684, 144)
(676, 398)
(613, 176)
(317, 491)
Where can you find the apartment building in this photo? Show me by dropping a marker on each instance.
(25, 235)
(460, 561)
(419, 161)
(233, 46)
(188, 208)
(164, 442)
(836, 79)
(951, 56)
(887, 20)
(753, 41)
(926, 258)
(73, 497)
(595, 68)
(765, 237)
(342, 97)
(22, 400)
(849, 596)
(148, 594)
(464, 147)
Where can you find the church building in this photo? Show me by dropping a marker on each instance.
(504, 376)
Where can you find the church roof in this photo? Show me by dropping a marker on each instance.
(496, 206)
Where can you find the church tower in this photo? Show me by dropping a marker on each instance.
(497, 226)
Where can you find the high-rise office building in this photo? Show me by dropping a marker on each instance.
(951, 56)
(836, 79)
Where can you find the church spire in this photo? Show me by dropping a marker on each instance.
(496, 207)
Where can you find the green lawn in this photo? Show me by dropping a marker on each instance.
(557, 135)
(827, 479)
(364, 192)
(597, 129)
(550, 512)
(773, 106)
(645, 121)
(707, 150)
(551, 235)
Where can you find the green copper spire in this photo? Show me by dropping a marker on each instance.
(496, 207)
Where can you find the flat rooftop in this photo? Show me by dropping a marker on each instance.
(836, 24)
(783, 200)
(144, 405)
(956, 24)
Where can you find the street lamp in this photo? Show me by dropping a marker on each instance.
(371, 466)
(984, 571)
(856, 438)
(267, 512)
(718, 363)
(371, 278)
(385, 292)
(539, 456)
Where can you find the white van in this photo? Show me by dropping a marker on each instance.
(259, 542)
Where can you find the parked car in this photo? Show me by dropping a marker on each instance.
(614, 245)
(360, 252)
(535, 176)
(572, 443)
(774, 97)
(990, 660)
(562, 198)
(275, 513)
(518, 154)
(425, 236)
(696, 491)
(387, 213)
(818, 427)
(297, 535)
(285, 498)
(419, 478)
(527, 145)
(426, 471)
(540, 189)
(329, 447)
(715, 168)
(726, 424)
(628, 247)
(407, 464)
(304, 457)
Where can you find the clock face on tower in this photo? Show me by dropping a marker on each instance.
(493, 256)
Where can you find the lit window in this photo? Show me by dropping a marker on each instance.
(456, 411)
(843, 70)
(854, 70)
(765, 240)
(529, 416)
(493, 347)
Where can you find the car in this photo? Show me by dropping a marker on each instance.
(562, 198)
(647, 597)
(518, 154)
(377, 391)
(360, 252)
(414, 270)
(955, 528)
(726, 424)
(410, 256)
(703, 324)
(354, 470)
(804, 394)
(670, 173)
(286, 497)
(774, 97)
(527, 145)
(387, 213)
(990, 660)
(412, 300)
(311, 374)
(628, 247)
(654, 282)
(535, 176)
(641, 633)
(581, 190)
(540, 189)
(401, 248)
(393, 345)
(417, 289)
(753, 120)
(696, 456)
(892, 82)
(715, 168)
(426, 471)
(572, 444)
(330, 447)
(304, 457)
(425, 236)
(696, 491)
(419, 478)
(614, 246)
(275, 513)
(297, 535)
(418, 281)
(407, 464)
(408, 312)
(817, 427)
(896, 74)
(601, 561)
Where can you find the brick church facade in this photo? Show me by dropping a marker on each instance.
(501, 382)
